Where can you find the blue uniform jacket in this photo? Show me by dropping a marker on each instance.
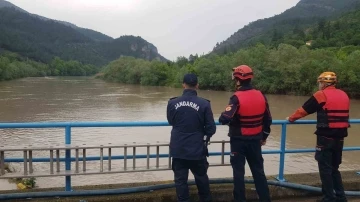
(191, 119)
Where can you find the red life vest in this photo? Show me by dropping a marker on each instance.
(335, 112)
(251, 111)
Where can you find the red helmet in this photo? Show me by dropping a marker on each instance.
(242, 72)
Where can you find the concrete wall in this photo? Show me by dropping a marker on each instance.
(220, 192)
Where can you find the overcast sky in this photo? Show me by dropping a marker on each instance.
(175, 27)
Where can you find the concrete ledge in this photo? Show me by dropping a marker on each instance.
(220, 192)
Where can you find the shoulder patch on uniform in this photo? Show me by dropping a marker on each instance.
(228, 108)
(172, 98)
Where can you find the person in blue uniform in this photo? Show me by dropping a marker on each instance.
(193, 125)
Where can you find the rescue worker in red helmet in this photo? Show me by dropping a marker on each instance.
(249, 120)
(332, 107)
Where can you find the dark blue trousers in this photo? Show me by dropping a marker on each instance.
(329, 156)
(198, 168)
(250, 150)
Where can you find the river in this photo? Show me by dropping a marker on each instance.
(89, 99)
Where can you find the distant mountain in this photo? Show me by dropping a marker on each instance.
(94, 35)
(97, 36)
(304, 14)
(42, 39)
(7, 4)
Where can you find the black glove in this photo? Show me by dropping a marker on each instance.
(206, 139)
(206, 152)
(206, 143)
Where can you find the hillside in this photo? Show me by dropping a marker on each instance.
(333, 33)
(42, 39)
(284, 66)
(344, 31)
(97, 36)
(6, 4)
(304, 14)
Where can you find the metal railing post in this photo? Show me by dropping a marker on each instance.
(68, 158)
(280, 177)
(2, 162)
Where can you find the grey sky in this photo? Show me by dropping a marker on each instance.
(175, 27)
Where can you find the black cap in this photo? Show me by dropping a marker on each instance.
(190, 79)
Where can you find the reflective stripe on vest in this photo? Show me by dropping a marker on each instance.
(251, 111)
(335, 112)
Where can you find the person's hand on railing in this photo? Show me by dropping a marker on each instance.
(288, 119)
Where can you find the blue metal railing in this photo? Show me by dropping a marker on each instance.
(68, 125)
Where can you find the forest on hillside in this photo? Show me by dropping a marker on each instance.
(341, 32)
(285, 65)
(282, 70)
(308, 20)
(284, 62)
(42, 40)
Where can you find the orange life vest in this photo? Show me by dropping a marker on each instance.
(251, 111)
(335, 112)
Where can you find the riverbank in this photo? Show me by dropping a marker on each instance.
(14, 66)
(220, 192)
(298, 67)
